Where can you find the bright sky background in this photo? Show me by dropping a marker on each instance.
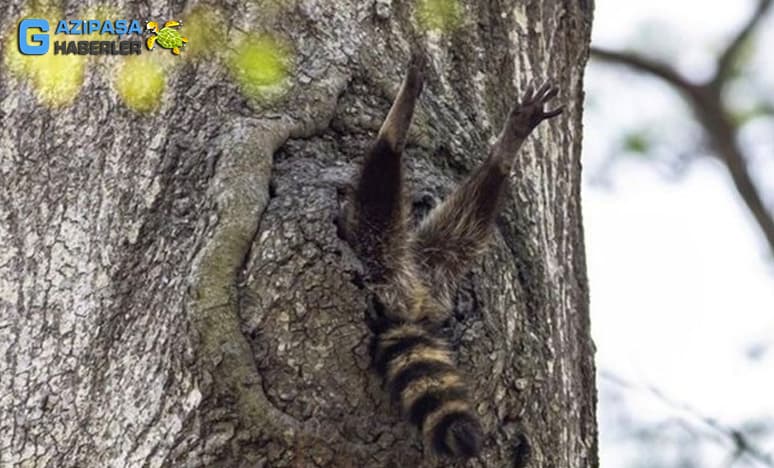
(682, 283)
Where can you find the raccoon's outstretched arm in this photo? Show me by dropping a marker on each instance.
(457, 231)
(394, 130)
(375, 220)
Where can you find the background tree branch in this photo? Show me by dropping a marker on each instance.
(712, 113)
(736, 438)
(729, 56)
(646, 65)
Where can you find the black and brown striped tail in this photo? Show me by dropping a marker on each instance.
(420, 374)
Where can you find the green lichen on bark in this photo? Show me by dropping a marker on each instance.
(241, 193)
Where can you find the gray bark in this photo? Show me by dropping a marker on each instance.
(172, 288)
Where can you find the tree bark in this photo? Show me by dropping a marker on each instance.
(172, 288)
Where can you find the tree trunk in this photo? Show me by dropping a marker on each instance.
(172, 288)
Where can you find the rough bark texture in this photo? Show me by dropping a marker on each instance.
(172, 288)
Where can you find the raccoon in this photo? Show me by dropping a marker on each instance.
(414, 275)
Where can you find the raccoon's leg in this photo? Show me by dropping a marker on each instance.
(457, 231)
(375, 218)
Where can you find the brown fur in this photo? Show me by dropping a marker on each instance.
(415, 275)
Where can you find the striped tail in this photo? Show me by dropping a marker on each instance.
(420, 374)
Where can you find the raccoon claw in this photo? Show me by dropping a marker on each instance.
(416, 71)
(531, 111)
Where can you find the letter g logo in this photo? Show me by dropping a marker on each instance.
(39, 42)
